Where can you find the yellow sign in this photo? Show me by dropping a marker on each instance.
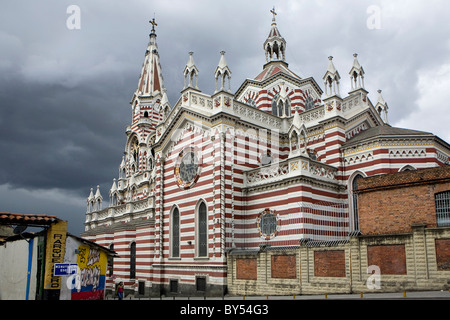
(54, 253)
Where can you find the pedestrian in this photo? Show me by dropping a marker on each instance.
(119, 290)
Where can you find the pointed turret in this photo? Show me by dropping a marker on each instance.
(190, 72)
(90, 201)
(382, 107)
(275, 45)
(223, 72)
(98, 199)
(331, 79)
(356, 74)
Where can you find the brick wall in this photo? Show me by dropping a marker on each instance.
(391, 203)
(391, 259)
(246, 269)
(329, 263)
(284, 267)
(419, 260)
(443, 254)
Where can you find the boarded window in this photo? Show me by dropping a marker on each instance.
(329, 263)
(284, 267)
(246, 269)
(391, 259)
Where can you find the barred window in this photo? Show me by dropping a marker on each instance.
(442, 201)
(355, 202)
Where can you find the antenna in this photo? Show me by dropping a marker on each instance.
(19, 229)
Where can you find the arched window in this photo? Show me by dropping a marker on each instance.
(280, 108)
(202, 230)
(175, 248)
(309, 103)
(114, 199)
(145, 114)
(287, 109)
(355, 202)
(133, 260)
(275, 105)
(111, 261)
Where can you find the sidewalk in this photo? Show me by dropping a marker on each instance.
(421, 295)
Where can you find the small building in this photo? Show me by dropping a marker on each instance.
(28, 259)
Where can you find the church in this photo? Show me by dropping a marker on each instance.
(273, 164)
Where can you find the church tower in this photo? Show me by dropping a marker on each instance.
(149, 106)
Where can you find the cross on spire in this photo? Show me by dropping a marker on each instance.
(153, 23)
(274, 13)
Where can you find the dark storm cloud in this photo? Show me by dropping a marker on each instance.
(64, 94)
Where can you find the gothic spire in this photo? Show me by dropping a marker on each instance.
(150, 80)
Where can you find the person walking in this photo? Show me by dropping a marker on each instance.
(119, 290)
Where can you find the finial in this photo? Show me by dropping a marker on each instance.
(153, 23)
(274, 14)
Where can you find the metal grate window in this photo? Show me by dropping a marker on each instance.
(442, 201)
(268, 223)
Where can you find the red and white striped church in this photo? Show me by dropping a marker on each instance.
(273, 164)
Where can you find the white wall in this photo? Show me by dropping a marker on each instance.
(14, 270)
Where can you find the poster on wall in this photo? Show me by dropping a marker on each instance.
(92, 274)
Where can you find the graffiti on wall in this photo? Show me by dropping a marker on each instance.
(91, 274)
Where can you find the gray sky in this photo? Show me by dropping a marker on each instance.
(65, 93)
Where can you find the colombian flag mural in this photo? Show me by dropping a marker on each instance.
(92, 264)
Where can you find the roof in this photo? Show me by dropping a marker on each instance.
(94, 244)
(405, 178)
(7, 218)
(274, 67)
(386, 130)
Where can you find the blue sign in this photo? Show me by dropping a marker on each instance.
(65, 269)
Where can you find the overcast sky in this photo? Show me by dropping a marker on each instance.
(65, 92)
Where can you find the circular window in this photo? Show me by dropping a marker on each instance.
(267, 224)
(187, 167)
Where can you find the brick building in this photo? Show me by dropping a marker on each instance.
(273, 164)
(385, 202)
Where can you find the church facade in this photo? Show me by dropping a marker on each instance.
(273, 164)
